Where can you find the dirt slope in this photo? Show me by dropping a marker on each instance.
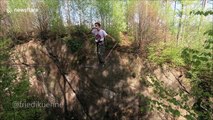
(85, 90)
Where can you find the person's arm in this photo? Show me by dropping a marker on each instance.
(110, 37)
(107, 35)
(93, 28)
(91, 31)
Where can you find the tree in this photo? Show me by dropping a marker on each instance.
(14, 89)
(180, 14)
(201, 17)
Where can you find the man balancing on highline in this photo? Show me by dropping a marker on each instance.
(100, 34)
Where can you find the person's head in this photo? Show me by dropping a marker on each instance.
(97, 25)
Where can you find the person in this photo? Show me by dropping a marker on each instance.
(100, 35)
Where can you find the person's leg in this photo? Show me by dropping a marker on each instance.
(102, 50)
(98, 53)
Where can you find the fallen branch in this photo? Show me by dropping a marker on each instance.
(111, 51)
(180, 83)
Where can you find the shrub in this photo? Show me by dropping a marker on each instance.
(162, 53)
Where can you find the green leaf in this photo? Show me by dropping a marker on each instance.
(174, 101)
(207, 46)
(189, 117)
(166, 110)
(159, 108)
(195, 57)
(176, 113)
(197, 63)
(209, 32)
(203, 59)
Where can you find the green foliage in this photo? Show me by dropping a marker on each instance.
(9, 91)
(19, 19)
(14, 4)
(104, 8)
(76, 38)
(200, 65)
(200, 70)
(167, 100)
(74, 44)
(78, 30)
(114, 13)
(206, 13)
(14, 89)
(165, 53)
(209, 32)
(118, 16)
(56, 23)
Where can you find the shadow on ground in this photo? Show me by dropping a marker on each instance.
(97, 93)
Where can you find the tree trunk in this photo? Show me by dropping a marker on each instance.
(165, 26)
(140, 36)
(174, 13)
(180, 24)
(201, 17)
(68, 12)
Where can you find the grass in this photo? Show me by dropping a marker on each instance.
(169, 52)
(165, 53)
